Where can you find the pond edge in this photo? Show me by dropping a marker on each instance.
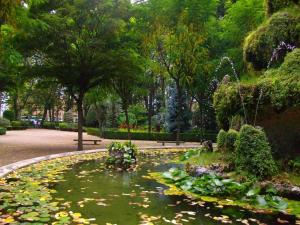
(7, 169)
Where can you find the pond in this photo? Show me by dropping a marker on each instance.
(112, 197)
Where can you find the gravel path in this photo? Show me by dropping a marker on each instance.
(21, 145)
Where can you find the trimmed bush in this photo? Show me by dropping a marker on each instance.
(93, 131)
(50, 125)
(4, 122)
(230, 140)
(253, 153)
(16, 124)
(68, 127)
(273, 6)
(2, 131)
(122, 135)
(221, 138)
(281, 27)
(10, 115)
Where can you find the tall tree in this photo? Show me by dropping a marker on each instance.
(77, 44)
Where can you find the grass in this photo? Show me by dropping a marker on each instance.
(291, 178)
(207, 158)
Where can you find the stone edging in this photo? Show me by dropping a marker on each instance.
(5, 170)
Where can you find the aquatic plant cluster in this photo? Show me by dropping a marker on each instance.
(122, 156)
(26, 196)
(211, 184)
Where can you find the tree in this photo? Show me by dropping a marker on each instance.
(78, 44)
(179, 52)
(98, 98)
(173, 118)
(127, 81)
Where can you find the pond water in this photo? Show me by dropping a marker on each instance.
(111, 197)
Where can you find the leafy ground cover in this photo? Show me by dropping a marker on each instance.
(26, 195)
(225, 192)
(215, 188)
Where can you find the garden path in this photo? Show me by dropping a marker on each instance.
(31, 143)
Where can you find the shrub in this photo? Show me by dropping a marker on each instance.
(253, 153)
(68, 116)
(91, 118)
(68, 126)
(281, 27)
(230, 140)
(273, 6)
(122, 135)
(4, 122)
(221, 138)
(121, 156)
(16, 124)
(93, 131)
(295, 165)
(50, 125)
(10, 115)
(2, 131)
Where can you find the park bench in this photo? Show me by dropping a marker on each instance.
(95, 141)
(176, 142)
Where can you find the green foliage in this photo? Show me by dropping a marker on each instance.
(280, 87)
(31, 189)
(176, 118)
(91, 118)
(221, 139)
(280, 27)
(122, 120)
(190, 154)
(68, 126)
(4, 122)
(16, 123)
(139, 111)
(214, 185)
(253, 153)
(50, 125)
(68, 116)
(241, 18)
(122, 135)
(2, 131)
(230, 140)
(295, 165)
(8, 114)
(93, 131)
(122, 156)
(273, 6)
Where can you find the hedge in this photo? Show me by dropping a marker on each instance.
(2, 131)
(17, 128)
(50, 125)
(121, 135)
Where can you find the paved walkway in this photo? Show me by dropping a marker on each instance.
(31, 143)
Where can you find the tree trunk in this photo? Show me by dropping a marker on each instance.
(150, 110)
(113, 116)
(53, 114)
(50, 115)
(80, 121)
(127, 121)
(44, 115)
(16, 108)
(179, 109)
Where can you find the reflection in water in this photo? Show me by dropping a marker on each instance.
(130, 198)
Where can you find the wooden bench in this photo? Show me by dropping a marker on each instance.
(177, 142)
(95, 141)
